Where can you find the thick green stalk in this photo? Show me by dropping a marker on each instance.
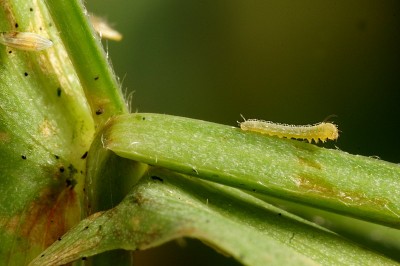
(50, 103)
(46, 127)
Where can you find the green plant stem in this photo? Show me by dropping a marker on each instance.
(89, 59)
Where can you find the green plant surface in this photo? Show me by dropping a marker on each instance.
(334, 180)
(89, 59)
(47, 124)
(376, 237)
(45, 128)
(144, 179)
(165, 205)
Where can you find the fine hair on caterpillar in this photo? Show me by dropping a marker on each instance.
(318, 132)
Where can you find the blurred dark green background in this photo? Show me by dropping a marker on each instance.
(286, 61)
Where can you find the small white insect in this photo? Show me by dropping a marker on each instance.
(27, 41)
(321, 131)
(105, 31)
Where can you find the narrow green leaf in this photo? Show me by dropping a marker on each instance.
(165, 206)
(333, 180)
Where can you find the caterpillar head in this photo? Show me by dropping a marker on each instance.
(330, 131)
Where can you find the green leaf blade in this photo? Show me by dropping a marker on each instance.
(333, 180)
(166, 206)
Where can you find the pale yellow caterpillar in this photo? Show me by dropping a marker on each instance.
(318, 132)
(27, 41)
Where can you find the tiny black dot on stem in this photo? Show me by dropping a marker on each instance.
(10, 52)
(62, 169)
(99, 111)
(96, 78)
(16, 25)
(84, 258)
(23, 157)
(26, 74)
(70, 182)
(84, 155)
(31, 9)
(59, 92)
